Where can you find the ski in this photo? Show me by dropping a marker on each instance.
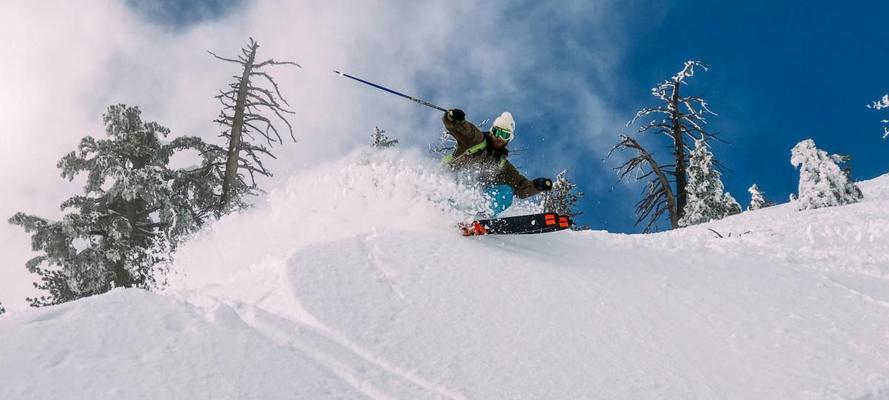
(522, 224)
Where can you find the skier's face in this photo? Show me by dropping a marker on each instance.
(498, 143)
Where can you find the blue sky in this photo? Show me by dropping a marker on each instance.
(780, 72)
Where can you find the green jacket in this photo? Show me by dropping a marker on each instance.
(488, 165)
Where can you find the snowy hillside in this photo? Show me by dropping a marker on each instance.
(350, 282)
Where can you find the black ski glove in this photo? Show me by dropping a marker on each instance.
(456, 115)
(543, 184)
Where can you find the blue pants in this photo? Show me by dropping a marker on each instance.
(499, 198)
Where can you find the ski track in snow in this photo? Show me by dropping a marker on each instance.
(365, 372)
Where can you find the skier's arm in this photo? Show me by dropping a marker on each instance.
(464, 131)
(522, 186)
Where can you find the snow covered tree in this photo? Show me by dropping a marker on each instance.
(706, 199)
(757, 199)
(380, 140)
(680, 118)
(844, 161)
(879, 105)
(243, 105)
(562, 198)
(732, 206)
(132, 213)
(821, 182)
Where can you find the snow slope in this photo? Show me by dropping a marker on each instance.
(351, 283)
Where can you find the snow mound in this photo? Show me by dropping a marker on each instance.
(351, 282)
(136, 345)
(366, 192)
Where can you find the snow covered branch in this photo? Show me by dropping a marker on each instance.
(879, 105)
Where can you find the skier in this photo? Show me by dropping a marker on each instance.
(483, 155)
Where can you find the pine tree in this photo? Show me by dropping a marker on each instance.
(380, 140)
(821, 182)
(844, 161)
(562, 199)
(757, 199)
(881, 104)
(680, 118)
(241, 115)
(2, 310)
(132, 213)
(732, 206)
(706, 199)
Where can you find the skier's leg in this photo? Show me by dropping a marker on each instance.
(499, 198)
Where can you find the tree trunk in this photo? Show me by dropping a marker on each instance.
(234, 146)
(679, 154)
(134, 211)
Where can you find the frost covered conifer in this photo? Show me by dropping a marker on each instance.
(732, 206)
(757, 199)
(379, 139)
(706, 199)
(562, 198)
(132, 212)
(881, 104)
(821, 182)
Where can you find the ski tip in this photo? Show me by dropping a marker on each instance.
(474, 228)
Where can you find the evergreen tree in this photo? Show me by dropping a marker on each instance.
(2, 310)
(732, 206)
(562, 198)
(133, 211)
(844, 161)
(380, 140)
(706, 199)
(881, 104)
(243, 107)
(821, 182)
(757, 199)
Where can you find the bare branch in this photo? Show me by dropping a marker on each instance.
(225, 59)
(273, 62)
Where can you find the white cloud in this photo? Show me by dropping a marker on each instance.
(71, 59)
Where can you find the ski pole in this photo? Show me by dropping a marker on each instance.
(423, 102)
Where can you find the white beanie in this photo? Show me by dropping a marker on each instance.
(505, 121)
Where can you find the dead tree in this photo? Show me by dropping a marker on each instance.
(247, 109)
(658, 195)
(681, 118)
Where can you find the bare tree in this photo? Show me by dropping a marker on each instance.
(657, 196)
(681, 118)
(247, 109)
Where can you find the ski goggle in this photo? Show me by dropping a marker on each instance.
(501, 133)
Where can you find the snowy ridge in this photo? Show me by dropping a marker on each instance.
(366, 291)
